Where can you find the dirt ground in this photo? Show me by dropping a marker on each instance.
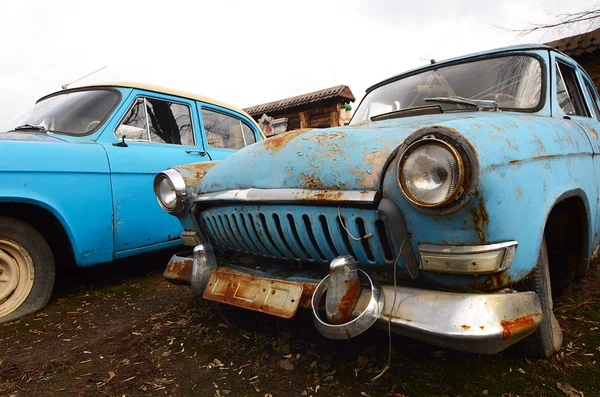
(121, 330)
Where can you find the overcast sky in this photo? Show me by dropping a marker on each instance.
(246, 52)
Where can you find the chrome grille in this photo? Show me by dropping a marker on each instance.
(301, 233)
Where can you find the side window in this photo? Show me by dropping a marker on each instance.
(157, 121)
(134, 126)
(593, 98)
(226, 132)
(568, 91)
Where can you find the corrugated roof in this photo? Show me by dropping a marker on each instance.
(340, 91)
(578, 44)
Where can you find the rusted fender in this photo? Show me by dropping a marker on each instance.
(527, 164)
(193, 174)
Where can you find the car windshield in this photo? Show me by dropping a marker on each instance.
(507, 82)
(71, 113)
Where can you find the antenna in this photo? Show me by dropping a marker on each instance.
(65, 86)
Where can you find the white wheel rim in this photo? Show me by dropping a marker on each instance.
(16, 276)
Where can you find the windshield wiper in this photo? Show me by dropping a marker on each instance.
(39, 128)
(409, 112)
(476, 103)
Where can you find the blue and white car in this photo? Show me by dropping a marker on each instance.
(77, 172)
(461, 195)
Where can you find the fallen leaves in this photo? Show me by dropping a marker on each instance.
(569, 390)
(110, 376)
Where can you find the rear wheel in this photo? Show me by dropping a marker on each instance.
(26, 270)
(548, 338)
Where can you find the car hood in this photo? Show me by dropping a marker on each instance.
(340, 158)
(29, 137)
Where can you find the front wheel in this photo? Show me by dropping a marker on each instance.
(548, 337)
(26, 270)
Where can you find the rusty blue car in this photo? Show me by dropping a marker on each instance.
(460, 199)
(77, 172)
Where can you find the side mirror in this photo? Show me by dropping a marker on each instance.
(122, 143)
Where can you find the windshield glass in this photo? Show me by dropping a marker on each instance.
(513, 82)
(73, 113)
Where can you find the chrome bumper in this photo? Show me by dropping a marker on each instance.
(470, 322)
(475, 323)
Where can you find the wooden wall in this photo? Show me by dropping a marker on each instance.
(320, 115)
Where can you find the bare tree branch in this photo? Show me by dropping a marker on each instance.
(583, 20)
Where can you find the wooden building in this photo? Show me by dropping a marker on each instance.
(585, 49)
(320, 109)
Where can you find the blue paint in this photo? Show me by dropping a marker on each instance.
(101, 194)
(525, 163)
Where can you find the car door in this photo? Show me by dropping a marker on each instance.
(225, 131)
(577, 100)
(159, 131)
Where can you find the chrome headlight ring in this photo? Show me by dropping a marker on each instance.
(433, 170)
(170, 191)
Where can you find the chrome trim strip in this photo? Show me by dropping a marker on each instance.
(465, 249)
(282, 195)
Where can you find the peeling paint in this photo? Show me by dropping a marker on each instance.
(374, 161)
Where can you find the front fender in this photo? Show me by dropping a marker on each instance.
(192, 174)
(526, 166)
(71, 181)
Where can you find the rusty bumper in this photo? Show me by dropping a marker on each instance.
(179, 269)
(475, 323)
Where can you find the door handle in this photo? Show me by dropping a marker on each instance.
(202, 153)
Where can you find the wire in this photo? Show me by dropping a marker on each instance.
(389, 362)
(366, 236)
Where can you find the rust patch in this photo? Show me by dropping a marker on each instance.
(374, 162)
(275, 143)
(307, 292)
(594, 134)
(347, 304)
(519, 192)
(511, 144)
(540, 145)
(194, 173)
(544, 157)
(493, 282)
(472, 148)
(465, 327)
(326, 138)
(179, 271)
(322, 195)
(310, 181)
(480, 220)
(482, 327)
(518, 324)
(277, 297)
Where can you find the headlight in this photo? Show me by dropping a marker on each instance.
(169, 188)
(431, 173)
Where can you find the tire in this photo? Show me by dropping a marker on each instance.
(27, 270)
(548, 337)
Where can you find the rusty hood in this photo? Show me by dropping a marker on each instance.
(340, 158)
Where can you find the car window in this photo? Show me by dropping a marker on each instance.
(157, 121)
(568, 91)
(226, 132)
(593, 98)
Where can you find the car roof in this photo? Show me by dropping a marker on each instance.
(519, 47)
(158, 89)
